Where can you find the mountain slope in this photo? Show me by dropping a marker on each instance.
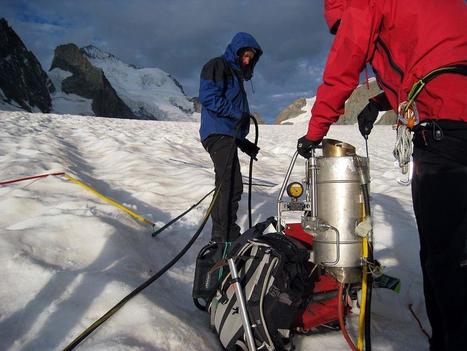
(88, 82)
(149, 92)
(23, 83)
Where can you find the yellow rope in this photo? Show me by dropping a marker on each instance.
(109, 200)
(361, 317)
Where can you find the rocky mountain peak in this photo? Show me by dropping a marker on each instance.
(89, 82)
(150, 93)
(359, 99)
(293, 110)
(93, 52)
(353, 106)
(22, 79)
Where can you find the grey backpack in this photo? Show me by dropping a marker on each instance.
(275, 277)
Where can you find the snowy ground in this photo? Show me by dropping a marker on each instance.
(67, 257)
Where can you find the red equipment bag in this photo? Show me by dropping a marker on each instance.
(322, 310)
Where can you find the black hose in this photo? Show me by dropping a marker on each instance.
(161, 272)
(143, 286)
(176, 219)
(250, 174)
(261, 185)
(152, 279)
(160, 230)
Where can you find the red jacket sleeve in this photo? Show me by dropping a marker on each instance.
(351, 50)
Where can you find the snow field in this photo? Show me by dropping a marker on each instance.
(68, 257)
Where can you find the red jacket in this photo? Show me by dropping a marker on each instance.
(403, 40)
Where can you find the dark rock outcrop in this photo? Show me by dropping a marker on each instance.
(196, 104)
(22, 78)
(356, 102)
(293, 110)
(89, 82)
(388, 118)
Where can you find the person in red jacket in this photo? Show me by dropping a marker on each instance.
(406, 42)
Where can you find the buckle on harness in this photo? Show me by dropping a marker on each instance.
(407, 114)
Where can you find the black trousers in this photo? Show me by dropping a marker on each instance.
(439, 192)
(224, 155)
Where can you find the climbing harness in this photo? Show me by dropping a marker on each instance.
(408, 118)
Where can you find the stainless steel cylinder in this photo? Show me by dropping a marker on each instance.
(339, 210)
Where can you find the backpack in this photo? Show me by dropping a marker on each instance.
(209, 273)
(206, 279)
(275, 278)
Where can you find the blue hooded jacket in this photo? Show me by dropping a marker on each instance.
(221, 90)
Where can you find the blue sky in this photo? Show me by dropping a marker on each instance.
(179, 36)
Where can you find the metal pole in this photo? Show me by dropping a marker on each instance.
(281, 192)
(314, 190)
(243, 312)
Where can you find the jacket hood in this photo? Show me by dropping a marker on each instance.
(333, 11)
(242, 40)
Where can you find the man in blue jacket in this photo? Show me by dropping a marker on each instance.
(225, 122)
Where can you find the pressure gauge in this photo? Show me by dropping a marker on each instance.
(295, 190)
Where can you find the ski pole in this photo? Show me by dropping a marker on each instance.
(243, 312)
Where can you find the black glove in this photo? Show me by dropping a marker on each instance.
(367, 118)
(248, 148)
(244, 121)
(304, 146)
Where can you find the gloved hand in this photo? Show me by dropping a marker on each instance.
(244, 120)
(304, 146)
(248, 148)
(367, 118)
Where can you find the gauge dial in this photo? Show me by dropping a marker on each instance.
(295, 190)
